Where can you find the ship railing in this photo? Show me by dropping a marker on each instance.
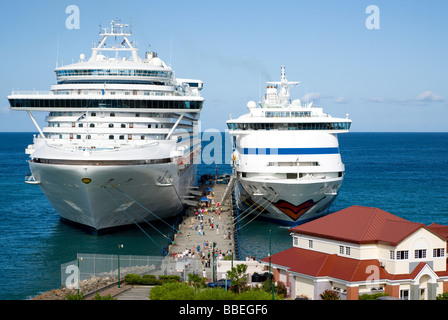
(38, 93)
(108, 93)
(114, 148)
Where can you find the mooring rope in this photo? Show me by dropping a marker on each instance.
(110, 195)
(128, 196)
(255, 208)
(275, 196)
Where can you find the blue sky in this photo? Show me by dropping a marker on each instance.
(389, 79)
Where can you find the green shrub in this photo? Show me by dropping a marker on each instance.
(149, 280)
(442, 296)
(182, 291)
(108, 297)
(256, 295)
(172, 278)
(373, 296)
(172, 291)
(279, 289)
(215, 294)
(76, 296)
(132, 279)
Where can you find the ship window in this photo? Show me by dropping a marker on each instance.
(111, 137)
(123, 125)
(111, 125)
(131, 125)
(92, 125)
(80, 125)
(93, 114)
(129, 136)
(112, 114)
(78, 136)
(88, 136)
(121, 137)
(143, 137)
(291, 176)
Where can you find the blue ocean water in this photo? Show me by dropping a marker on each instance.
(403, 173)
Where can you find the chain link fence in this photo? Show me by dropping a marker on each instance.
(103, 265)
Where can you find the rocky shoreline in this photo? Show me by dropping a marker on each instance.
(87, 287)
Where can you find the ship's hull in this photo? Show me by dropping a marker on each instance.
(114, 196)
(284, 203)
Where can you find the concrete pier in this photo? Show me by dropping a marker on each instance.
(201, 231)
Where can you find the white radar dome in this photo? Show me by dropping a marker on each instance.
(251, 105)
(157, 62)
(82, 56)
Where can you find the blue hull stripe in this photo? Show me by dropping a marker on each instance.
(286, 151)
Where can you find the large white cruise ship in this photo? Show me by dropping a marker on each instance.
(120, 146)
(286, 158)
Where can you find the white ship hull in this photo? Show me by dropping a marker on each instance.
(116, 195)
(120, 144)
(285, 203)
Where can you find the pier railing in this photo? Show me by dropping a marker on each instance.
(109, 265)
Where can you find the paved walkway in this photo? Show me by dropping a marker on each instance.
(135, 293)
(217, 228)
(125, 292)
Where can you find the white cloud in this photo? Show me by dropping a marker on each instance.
(375, 100)
(425, 98)
(428, 96)
(314, 96)
(342, 100)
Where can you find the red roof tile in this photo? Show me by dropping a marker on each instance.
(319, 264)
(440, 229)
(359, 224)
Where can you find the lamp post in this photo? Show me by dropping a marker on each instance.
(270, 280)
(213, 263)
(119, 247)
(79, 273)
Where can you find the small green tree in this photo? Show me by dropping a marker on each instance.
(238, 278)
(329, 295)
(196, 281)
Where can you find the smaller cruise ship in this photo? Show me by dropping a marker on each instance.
(286, 158)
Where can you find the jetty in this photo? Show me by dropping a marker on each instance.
(208, 226)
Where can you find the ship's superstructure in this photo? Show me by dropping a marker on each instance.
(286, 157)
(120, 144)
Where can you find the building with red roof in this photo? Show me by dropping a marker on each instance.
(364, 250)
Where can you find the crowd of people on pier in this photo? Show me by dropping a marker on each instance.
(206, 217)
